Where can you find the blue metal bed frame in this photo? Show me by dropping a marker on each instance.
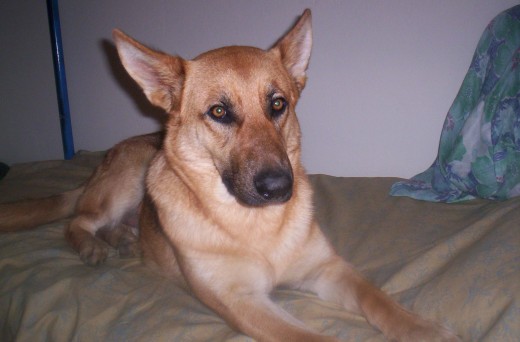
(60, 78)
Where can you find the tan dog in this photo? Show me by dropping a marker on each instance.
(226, 206)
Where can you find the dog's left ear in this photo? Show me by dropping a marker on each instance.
(160, 75)
(295, 49)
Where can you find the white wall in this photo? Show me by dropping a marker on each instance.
(382, 77)
(29, 124)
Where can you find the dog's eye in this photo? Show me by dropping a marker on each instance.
(278, 106)
(217, 112)
(221, 114)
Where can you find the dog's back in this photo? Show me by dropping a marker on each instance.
(125, 161)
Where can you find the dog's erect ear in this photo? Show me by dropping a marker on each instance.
(160, 75)
(295, 48)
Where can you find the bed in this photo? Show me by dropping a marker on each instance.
(458, 264)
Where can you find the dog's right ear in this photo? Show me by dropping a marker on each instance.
(160, 75)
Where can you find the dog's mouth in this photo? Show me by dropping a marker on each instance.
(269, 186)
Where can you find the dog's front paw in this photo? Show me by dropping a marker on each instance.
(93, 251)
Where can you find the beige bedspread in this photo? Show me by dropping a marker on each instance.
(455, 263)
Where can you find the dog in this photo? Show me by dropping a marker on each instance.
(223, 202)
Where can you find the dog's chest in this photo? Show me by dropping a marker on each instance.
(227, 235)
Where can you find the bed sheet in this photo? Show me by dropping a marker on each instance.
(454, 263)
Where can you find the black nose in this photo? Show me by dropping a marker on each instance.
(274, 185)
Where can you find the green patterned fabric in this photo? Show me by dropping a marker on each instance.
(479, 150)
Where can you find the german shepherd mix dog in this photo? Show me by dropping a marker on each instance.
(224, 204)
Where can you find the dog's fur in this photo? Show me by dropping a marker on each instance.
(225, 205)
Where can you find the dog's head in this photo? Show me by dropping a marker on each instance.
(231, 110)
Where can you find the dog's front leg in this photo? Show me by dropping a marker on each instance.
(257, 316)
(335, 280)
(240, 295)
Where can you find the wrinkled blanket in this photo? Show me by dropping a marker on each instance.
(454, 263)
(479, 151)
